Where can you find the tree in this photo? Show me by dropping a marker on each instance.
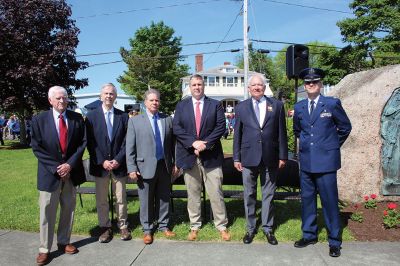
(153, 61)
(374, 32)
(37, 51)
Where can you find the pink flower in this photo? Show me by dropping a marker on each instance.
(373, 196)
(356, 206)
(391, 206)
(366, 198)
(385, 213)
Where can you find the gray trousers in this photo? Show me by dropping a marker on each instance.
(65, 195)
(154, 196)
(268, 187)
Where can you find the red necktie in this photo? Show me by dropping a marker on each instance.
(198, 118)
(63, 134)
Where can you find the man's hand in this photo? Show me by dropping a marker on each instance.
(63, 171)
(238, 166)
(176, 171)
(282, 164)
(108, 165)
(114, 164)
(134, 176)
(199, 145)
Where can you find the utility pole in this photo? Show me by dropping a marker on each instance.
(245, 50)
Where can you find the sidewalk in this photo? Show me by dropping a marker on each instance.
(21, 248)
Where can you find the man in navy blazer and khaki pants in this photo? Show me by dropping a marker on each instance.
(259, 148)
(199, 124)
(58, 142)
(106, 130)
(322, 126)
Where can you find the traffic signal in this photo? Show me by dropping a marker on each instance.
(296, 60)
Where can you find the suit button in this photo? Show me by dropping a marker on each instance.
(261, 131)
(312, 126)
(259, 141)
(312, 135)
(311, 143)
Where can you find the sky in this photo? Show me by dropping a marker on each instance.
(106, 26)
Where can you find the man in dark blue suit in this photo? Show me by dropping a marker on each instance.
(106, 130)
(322, 126)
(259, 148)
(58, 142)
(198, 125)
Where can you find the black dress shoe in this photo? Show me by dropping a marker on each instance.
(271, 238)
(248, 238)
(334, 251)
(305, 242)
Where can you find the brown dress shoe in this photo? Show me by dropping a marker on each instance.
(147, 239)
(42, 259)
(193, 235)
(125, 234)
(169, 233)
(106, 235)
(68, 249)
(225, 235)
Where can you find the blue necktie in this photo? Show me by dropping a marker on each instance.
(109, 125)
(157, 138)
(311, 107)
(257, 111)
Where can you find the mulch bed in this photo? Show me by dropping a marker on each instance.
(371, 229)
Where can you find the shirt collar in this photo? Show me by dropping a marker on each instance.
(105, 111)
(262, 99)
(315, 100)
(201, 100)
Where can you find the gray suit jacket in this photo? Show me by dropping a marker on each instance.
(141, 147)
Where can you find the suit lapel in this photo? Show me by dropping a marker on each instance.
(53, 129)
(252, 112)
(71, 126)
(304, 108)
(268, 105)
(116, 123)
(204, 113)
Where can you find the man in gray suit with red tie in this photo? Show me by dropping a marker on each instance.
(106, 130)
(58, 142)
(150, 161)
(259, 148)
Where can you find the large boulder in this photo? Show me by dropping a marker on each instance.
(364, 95)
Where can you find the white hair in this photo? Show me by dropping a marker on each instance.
(53, 90)
(109, 85)
(264, 81)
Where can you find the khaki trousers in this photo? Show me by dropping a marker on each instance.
(65, 194)
(212, 178)
(119, 191)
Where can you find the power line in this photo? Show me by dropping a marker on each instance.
(165, 56)
(310, 7)
(147, 9)
(226, 35)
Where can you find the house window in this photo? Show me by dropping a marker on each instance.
(230, 81)
(211, 81)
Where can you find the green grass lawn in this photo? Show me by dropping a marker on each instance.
(19, 206)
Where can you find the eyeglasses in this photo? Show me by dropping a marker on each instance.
(311, 82)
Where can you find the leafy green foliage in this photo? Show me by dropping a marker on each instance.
(374, 32)
(153, 61)
(37, 51)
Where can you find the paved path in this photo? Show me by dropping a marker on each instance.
(21, 248)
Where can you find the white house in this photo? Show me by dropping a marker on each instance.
(123, 102)
(224, 83)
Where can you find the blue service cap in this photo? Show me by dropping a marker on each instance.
(312, 74)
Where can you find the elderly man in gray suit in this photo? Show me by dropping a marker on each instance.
(150, 162)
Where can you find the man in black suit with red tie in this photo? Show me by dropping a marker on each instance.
(58, 142)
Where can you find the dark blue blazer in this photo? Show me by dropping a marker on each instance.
(212, 128)
(46, 147)
(252, 143)
(99, 145)
(321, 135)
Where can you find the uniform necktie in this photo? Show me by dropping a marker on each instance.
(109, 125)
(311, 107)
(63, 131)
(198, 118)
(157, 138)
(257, 111)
